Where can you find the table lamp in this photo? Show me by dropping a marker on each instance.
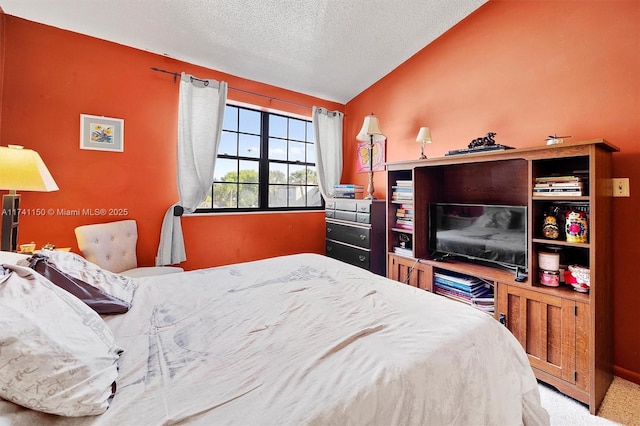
(424, 137)
(370, 132)
(23, 170)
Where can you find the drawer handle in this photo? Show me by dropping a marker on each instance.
(329, 248)
(362, 258)
(363, 237)
(329, 229)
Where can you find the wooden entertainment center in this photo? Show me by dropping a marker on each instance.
(567, 335)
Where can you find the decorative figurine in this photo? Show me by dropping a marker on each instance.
(576, 226)
(483, 142)
(550, 228)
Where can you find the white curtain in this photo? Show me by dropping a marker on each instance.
(327, 129)
(200, 115)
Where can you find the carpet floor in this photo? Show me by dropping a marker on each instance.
(621, 406)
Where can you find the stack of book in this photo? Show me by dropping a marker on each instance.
(403, 251)
(404, 216)
(402, 191)
(463, 288)
(559, 186)
(347, 190)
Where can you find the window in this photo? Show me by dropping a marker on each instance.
(265, 161)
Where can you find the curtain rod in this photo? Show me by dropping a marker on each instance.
(271, 98)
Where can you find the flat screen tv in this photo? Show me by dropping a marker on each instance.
(479, 232)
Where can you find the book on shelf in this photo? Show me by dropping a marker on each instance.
(568, 178)
(403, 251)
(572, 184)
(556, 192)
(401, 182)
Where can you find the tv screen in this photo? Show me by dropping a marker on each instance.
(483, 232)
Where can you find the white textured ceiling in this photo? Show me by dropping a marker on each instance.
(332, 49)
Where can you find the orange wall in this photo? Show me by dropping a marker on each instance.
(525, 70)
(51, 76)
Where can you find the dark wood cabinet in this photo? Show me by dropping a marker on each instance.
(355, 231)
(567, 335)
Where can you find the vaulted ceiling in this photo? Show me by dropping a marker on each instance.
(332, 49)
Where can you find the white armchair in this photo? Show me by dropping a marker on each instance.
(112, 246)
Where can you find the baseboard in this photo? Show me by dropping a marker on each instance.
(629, 375)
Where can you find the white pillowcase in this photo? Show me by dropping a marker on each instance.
(58, 356)
(11, 258)
(80, 268)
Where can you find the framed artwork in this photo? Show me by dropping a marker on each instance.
(101, 133)
(378, 156)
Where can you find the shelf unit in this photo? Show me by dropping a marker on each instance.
(567, 335)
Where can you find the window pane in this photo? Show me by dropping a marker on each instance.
(277, 149)
(228, 144)
(225, 195)
(297, 151)
(296, 129)
(248, 196)
(277, 173)
(277, 196)
(249, 172)
(278, 126)
(249, 146)
(297, 196)
(230, 121)
(311, 153)
(297, 174)
(249, 121)
(208, 201)
(310, 132)
(314, 198)
(312, 176)
(226, 170)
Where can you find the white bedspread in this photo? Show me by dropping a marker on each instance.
(306, 339)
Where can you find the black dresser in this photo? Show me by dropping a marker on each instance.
(355, 232)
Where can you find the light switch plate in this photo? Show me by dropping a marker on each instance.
(621, 187)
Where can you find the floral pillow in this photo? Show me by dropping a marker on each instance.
(58, 356)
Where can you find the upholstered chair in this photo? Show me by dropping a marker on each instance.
(112, 246)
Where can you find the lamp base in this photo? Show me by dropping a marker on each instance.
(10, 217)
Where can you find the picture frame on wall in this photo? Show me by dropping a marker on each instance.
(101, 133)
(378, 156)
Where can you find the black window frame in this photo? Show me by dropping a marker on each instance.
(263, 165)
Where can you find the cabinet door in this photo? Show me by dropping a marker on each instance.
(418, 274)
(545, 326)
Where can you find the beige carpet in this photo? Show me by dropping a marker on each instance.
(621, 406)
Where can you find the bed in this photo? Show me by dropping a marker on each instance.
(305, 339)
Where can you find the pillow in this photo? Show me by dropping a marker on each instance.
(58, 356)
(11, 258)
(80, 268)
(98, 300)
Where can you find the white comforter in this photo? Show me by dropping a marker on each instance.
(306, 339)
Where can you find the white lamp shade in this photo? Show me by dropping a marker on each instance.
(23, 169)
(424, 135)
(371, 127)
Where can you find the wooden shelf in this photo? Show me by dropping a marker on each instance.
(567, 334)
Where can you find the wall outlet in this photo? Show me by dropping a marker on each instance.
(621, 187)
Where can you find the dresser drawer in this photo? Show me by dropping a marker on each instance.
(363, 218)
(348, 254)
(342, 215)
(355, 235)
(363, 207)
(350, 206)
